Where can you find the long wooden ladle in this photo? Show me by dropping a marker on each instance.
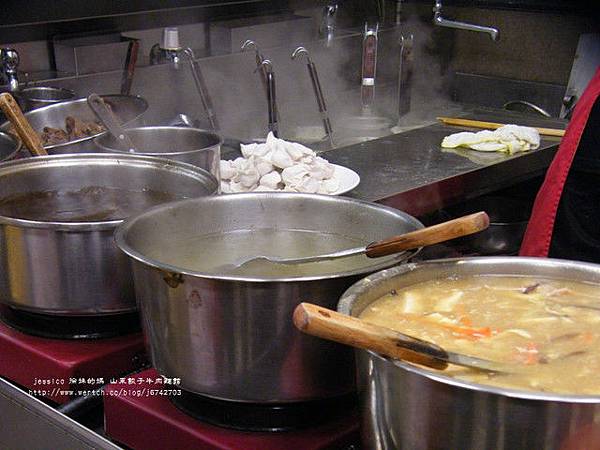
(22, 126)
(325, 323)
(434, 234)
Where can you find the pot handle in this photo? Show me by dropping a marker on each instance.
(325, 323)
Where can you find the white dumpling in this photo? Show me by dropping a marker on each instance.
(248, 149)
(227, 170)
(263, 166)
(225, 189)
(292, 176)
(309, 184)
(294, 152)
(281, 158)
(270, 180)
(321, 169)
(247, 174)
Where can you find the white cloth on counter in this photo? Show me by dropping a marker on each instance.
(509, 139)
(278, 165)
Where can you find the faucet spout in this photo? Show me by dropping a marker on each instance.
(442, 22)
(9, 64)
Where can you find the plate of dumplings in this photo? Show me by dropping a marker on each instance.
(280, 165)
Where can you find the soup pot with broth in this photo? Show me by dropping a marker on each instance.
(57, 218)
(229, 335)
(538, 316)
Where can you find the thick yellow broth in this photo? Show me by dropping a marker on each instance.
(548, 330)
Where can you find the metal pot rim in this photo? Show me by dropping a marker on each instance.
(76, 159)
(219, 141)
(23, 94)
(357, 289)
(124, 228)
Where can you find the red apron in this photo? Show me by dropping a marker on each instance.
(541, 224)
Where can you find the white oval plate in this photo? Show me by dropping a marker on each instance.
(349, 179)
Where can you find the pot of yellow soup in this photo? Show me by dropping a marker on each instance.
(539, 316)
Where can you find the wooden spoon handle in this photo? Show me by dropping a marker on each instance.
(430, 235)
(22, 126)
(325, 323)
(493, 125)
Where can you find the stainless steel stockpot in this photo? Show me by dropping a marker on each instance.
(75, 268)
(408, 407)
(191, 145)
(40, 96)
(232, 337)
(128, 108)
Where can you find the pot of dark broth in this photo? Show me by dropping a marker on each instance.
(229, 335)
(538, 316)
(57, 219)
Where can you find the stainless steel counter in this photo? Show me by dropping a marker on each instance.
(411, 172)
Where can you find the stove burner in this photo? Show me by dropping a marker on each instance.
(70, 327)
(263, 417)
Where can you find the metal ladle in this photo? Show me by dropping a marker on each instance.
(327, 324)
(435, 234)
(108, 119)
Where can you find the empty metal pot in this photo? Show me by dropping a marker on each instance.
(190, 145)
(409, 407)
(508, 222)
(128, 108)
(40, 96)
(75, 268)
(231, 337)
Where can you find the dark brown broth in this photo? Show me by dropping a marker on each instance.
(90, 204)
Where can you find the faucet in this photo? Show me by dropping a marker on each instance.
(314, 78)
(271, 97)
(170, 51)
(9, 63)
(327, 27)
(439, 20)
(265, 69)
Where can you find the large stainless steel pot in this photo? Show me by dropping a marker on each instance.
(231, 337)
(128, 108)
(70, 268)
(40, 96)
(407, 407)
(190, 145)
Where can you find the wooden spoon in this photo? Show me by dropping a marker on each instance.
(22, 126)
(325, 323)
(435, 234)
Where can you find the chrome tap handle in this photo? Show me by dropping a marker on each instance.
(271, 97)
(327, 28)
(251, 45)
(442, 22)
(9, 62)
(202, 89)
(314, 78)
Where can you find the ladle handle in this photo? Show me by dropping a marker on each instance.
(441, 232)
(325, 323)
(109, 120)
(22, 126)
